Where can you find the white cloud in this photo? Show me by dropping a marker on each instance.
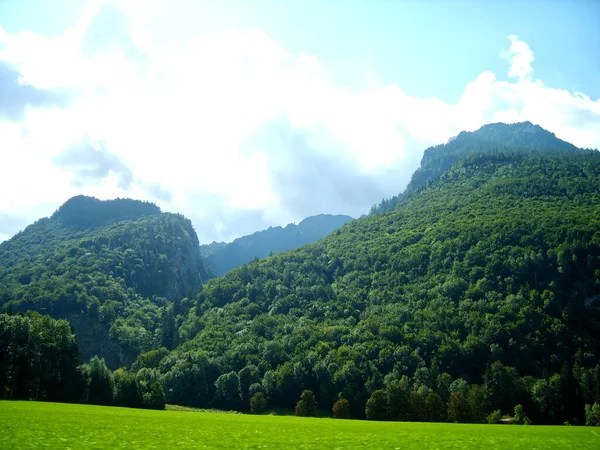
(520, 58)
(233, 130)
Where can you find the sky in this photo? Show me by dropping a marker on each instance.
(244, 115)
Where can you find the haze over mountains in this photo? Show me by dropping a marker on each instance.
(481, 279)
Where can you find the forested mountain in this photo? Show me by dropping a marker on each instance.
(112, 268)
(476, 291)
(520, 138)
(221, 257)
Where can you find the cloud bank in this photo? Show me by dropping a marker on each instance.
(230, 128)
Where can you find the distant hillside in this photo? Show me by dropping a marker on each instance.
(522, 138)
(113, 268)
(221, 257)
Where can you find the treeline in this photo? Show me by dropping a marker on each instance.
(39, 360)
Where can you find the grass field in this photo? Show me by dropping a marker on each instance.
(53, 425)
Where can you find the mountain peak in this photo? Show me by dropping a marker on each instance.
(523, 138)
(84, 211)
(521, 134)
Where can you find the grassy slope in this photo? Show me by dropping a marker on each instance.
(54, 425)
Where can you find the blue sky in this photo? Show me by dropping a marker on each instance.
(243, 115)
(429, 48)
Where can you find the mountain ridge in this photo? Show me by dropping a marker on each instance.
(516, 138)
(110, 267)
(222, 257)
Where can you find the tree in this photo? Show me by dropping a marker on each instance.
(39, 359)
(494, 417)
(341, 409)
(477, 404)
(592, 414)
(520, 417)
(418, 405)
(258, 403)
(100, 382)
(398, 399)
(169, 328)
(458, 408)
(127, 390)
(377, 407)
(306, 406)
(434, 407)
(503, 385)
(248, 376)
(228, 394)
(154, 397)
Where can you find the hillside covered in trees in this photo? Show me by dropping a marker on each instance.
(114, 269)
(220, 257)
(475, 293)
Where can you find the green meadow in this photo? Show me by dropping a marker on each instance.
(54, 425)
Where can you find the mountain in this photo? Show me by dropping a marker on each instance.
(520, 138)
(112, 268)
(476, 292)
(479, 291)
(221, 257)
(523, 135)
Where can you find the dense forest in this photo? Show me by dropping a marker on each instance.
(474, 294)
(114, 269)
(220, 257)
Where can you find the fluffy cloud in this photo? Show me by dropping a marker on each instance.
(230, 128)
(520, 58)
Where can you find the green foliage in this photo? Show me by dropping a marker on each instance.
(458, 287)
(398, 398)
(494, 417)
(39, 359)
(220, 257)
(519, 416)
(478, 292)
(434, 407)
(341, 409)
(458, 408)
(307, 405)
(100, 382)
(377, 406)
(521, 138)
(258, 403)
(477, 401)
(228, 395)
(117, 270)
(127, 390)
(85, 212)
(592, 414)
